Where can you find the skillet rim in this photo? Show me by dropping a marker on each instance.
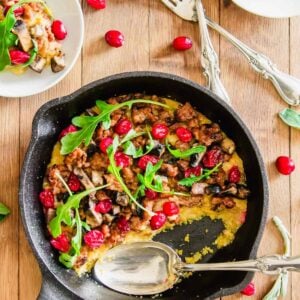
(60, 101)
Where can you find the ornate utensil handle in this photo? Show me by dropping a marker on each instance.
(209, 58)
(287, 86)
(271, 265)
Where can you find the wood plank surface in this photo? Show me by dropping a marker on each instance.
(149, 29)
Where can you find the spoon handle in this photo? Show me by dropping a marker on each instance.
(271, 265)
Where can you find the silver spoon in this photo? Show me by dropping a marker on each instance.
(147, 268)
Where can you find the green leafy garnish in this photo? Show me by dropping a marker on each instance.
(4, 211)
(205, 174)
(187, 153)
(88, 124)
(33, 53)
(67, 260)
(290, 117)
(130, 149)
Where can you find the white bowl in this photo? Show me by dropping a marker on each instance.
(30, 82)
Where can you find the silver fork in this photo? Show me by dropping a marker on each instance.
(287, 86)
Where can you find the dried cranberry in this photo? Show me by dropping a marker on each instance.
(18, 57)
(170, 208)
(105, 143)
(97, 4)
(59, 30)
(158, 220)
(184, 134)
(47, 198)
(234, 175)
(73, 183)
(182, 43)
(159, 131)
(114, 38)
(249, 290)
(144, 160)
(123, 126)
(122, 160)
(94, 238)
(212, 158)
(285, 165)
(123, 224)
(196, 171)
(150, 194)
(69, 129)
(17, 12)
(103, 206)
(61, 243)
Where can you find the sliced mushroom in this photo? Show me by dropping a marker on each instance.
(108, 218)
(122, 198)
(37, 30)
(93, 219)
(198, 188)
(23, 34)
(231, 190)
(97, 178)
(84, 178)
(38, 64)
(158, 149)
(50, 214)
(195, 159)
(242, 192)
(57, 64)
(116, 209)
(213, 189)
(228, 146)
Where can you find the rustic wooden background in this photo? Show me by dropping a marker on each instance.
(149, 28)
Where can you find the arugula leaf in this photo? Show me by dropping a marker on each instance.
(206, 173)
(88, 124)
(130, 149)
(4, 211)
(290, 117)
(183, 154)
(67, 260)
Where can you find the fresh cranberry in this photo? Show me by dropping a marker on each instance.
(97, 4)
(182, 43)
(73, 183)
(105, 143)
(249, 290)
(123, 224)
(114, 38)
(158, 220)
(103, 206)
(59, 30)
(212, 158)
(18, 57)
(170, 208)
(159, 131)
(196, 171)
(61, 243)
(123, 126)
(144, 160)
(285, 165)
(122, 160)
(47, 198)
(94, 238)
(150, 194)
(234, 175)
(17, 12)
(184, 134)
(64, 132)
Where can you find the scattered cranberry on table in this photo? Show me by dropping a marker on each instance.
(114, 38)
(105, 143)
(97, 4)
(123, 224)
(47, 198)
(73, 183)
(59, 30)
(158, 220)
(144, 160)
(122, 160)
(123, 126)
(150, 194)
(182, 43)
(212, 158)
(196, 171)
(249, 290)
(61, 243)
(94, 238)
(69, 129)
(184, 134)
(170, 208)
(103, 206)
(285, 165)
(234, 175)
(18, 57)
(159, 131)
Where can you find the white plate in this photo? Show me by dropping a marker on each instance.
(271, 8)
(30, 83)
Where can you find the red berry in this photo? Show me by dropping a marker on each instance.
(47, 198)
(196, 171)
(103, 206)
(158, 220)
(182, 43)
(69, 129)
(170, 208)
(144, 160)
(114, 38)
(97, 4)
(122, 160)
(150, 194)
(249, 290)
(123, 126)
(17, 12)
(61, 243)
(159, 131)
(73, 183)
(105, 143)
(18, 57)
(94, 238)
(234, 175)
(285, 165)
(184, 134)
(212, 158)
(123, 224)
(59, 30)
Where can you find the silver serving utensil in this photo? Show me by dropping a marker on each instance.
(147, 268)
(287, 86)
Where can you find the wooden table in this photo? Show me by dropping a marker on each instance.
(149, 28)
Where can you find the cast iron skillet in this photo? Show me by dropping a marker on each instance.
(59, 283)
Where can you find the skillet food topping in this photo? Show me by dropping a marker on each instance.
(136, 165)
